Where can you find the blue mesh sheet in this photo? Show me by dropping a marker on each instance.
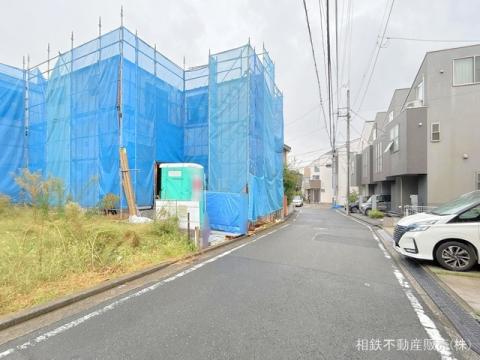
(196, 117)
(226, 116)
(11, 129)
(228, 211)
(81, 124)
(246, 130)
(152, 126)
(37, 125)
(266, 140)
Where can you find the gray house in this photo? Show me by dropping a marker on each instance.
(428, 141)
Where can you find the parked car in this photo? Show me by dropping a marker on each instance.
(449, 234)
(354, 207)
(383, 204)
(297, 201)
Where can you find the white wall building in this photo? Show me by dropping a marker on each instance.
(321, 169)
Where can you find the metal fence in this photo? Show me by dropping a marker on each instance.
(415, 209)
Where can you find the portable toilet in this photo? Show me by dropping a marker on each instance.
(181, 193)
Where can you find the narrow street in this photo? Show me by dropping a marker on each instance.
(313, 288)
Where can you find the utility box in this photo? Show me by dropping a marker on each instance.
(181, 193)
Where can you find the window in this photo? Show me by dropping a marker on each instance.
(420, 95)
(374, 133)
(435, 136)
(365, 164)
(472, 215)
(466, 70)
(477, 180)
(316, 169)
(390, 116)
(316, 177)
(378, 158)
(395, 146)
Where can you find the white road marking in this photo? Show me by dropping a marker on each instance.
(115, 304)
(441, 345)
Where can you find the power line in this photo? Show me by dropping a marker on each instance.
(303, 116)
(376, 56)
(311, 152)
(430, 40)
(329, 78)
(322, 38)
(316, 67)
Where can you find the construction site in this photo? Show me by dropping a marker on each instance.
(72, 117)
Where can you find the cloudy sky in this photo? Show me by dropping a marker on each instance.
(190, 28)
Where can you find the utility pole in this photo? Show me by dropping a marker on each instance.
(347, 146)
(348, 153)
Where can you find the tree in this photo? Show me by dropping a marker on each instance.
(290, 183)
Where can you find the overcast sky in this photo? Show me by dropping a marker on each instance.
(190, 28)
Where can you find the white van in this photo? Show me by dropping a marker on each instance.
(449, 234)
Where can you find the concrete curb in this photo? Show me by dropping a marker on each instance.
(7, 321)
(462, 319)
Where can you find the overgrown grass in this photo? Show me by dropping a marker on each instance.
(43, 257)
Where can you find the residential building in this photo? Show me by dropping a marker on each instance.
(318, 185)
(427, 142)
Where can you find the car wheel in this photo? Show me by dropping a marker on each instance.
(456, 256)
(367, 212)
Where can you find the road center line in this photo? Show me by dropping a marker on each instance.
(41, 338)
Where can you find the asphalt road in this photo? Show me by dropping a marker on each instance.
(318, 287)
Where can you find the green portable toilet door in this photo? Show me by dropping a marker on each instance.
(175, 184)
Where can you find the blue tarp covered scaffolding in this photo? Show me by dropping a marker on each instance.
(116, 91)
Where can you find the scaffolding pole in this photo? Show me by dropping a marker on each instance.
(120, 111)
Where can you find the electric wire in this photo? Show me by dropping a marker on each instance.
(316, 69)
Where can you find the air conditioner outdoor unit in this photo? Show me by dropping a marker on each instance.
(414, 104)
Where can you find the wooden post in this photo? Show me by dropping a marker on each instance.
(188, 225)
(127, 183)
(197, 238)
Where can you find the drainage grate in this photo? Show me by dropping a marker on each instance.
(467, 326)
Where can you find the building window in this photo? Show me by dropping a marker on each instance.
(316, 169)
(466, 71)
(316, 177)
(374, 133)
(420, 92)
(477, 180)
(390, 116)
(394, 143)
(378, 158)
(435, 136)
(364, 165)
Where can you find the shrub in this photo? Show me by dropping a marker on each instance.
(42, 193)
(165, 227)
(4, 203)
(353, 197)
(132, 238)
(73, 211)
(109, 203)
(376, 214)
